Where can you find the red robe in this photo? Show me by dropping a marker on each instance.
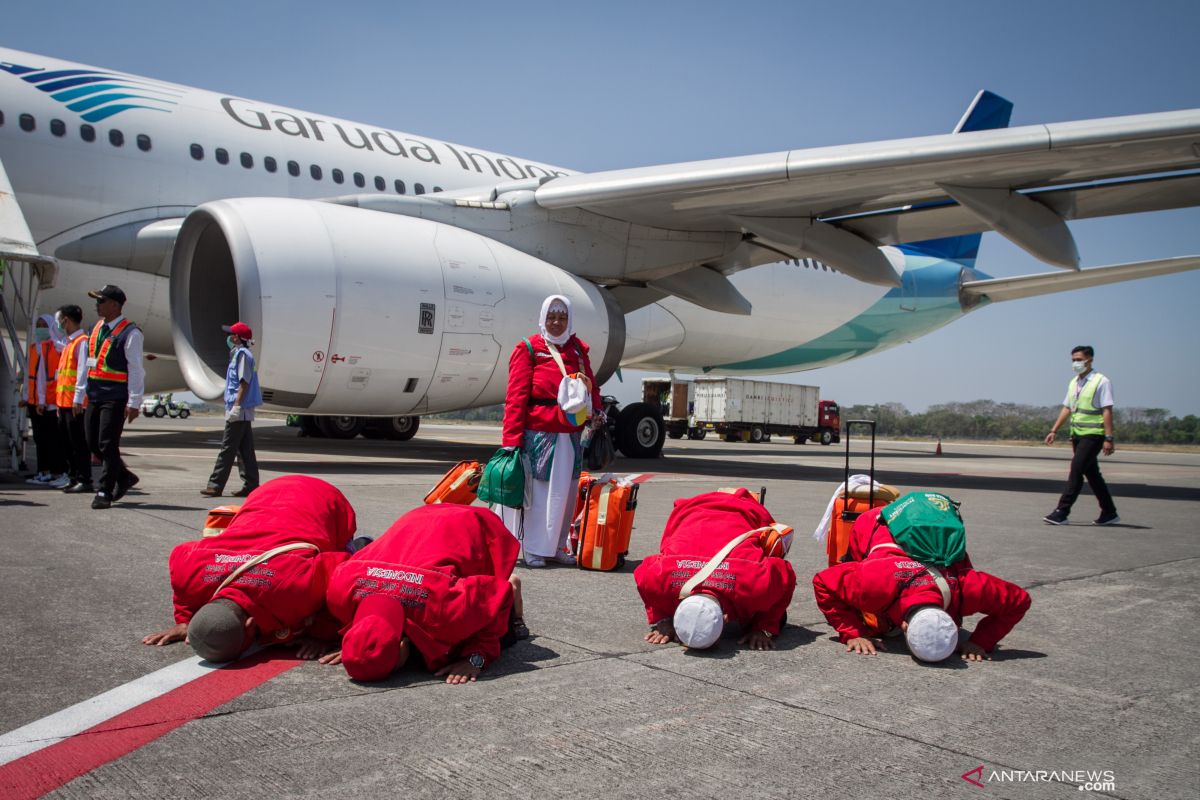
(887, 583)
(527, 382)
(285, 594)
(752, 587)
(449, 566)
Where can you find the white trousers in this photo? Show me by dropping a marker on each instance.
(548, 505)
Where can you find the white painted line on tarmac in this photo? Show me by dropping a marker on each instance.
(82, 716)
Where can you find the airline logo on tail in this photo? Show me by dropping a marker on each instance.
(95, 95)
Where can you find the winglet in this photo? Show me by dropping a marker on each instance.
(988, 111)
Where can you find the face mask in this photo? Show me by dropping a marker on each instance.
(229, 342)
(1079, 366)
(41, 334)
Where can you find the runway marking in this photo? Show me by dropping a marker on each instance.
(44, 755)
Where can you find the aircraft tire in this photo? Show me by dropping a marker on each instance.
(309, 426)
(640, 431)
(341, 427)
(399, 429)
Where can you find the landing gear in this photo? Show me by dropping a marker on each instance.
(341, 427)
(640, 431)
(398, 429)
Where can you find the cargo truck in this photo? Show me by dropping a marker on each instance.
(675, 399)
(741, 410)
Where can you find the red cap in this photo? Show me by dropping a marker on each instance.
(240, 330)
(371, 648)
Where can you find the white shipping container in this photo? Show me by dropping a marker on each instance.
(737, 400)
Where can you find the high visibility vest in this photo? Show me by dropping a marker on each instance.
(42, 352)
(68, 373)
(1086, 419)
(105, 370)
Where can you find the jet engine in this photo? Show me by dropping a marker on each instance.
(360, 312)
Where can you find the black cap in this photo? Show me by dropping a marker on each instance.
(108, 292)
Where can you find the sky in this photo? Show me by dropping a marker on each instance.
(622, 84)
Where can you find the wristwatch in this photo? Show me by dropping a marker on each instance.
(1108, 438)
(475, 660)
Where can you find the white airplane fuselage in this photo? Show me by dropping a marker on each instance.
(75, 178)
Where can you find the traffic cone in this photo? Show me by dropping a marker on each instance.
(938, 452)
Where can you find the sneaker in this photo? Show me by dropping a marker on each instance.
(210, 492)
(244, 491)
(41, 479)
(80, 488)
(1056, 517)
(1107, 518)
(61, 482)
(101, 500)
(535, 562)
(564, 558)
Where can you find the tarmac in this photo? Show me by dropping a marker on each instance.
(1093, 694)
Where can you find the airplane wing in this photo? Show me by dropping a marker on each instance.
(997, 289)
(838, 204)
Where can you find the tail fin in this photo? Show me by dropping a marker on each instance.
(987, 111)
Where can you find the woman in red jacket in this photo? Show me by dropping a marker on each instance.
(548, 438)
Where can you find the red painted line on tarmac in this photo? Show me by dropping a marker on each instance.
(49, 768)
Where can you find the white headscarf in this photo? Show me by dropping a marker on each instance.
(57, 334)
(547, 304)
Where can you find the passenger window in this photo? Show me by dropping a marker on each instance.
(419, 188)
(27, 122)
(247, 160)
(437, 188)
(87, 133)
(400, 187)
(143, 142)
(359, 180)
(222, 155)
(269, 163)
(116, 138)
(337, 175)
(293, 169)
(197, 152)
(58, 127)
(315, 171)
(380, 184)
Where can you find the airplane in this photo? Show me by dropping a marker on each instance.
(389, 275)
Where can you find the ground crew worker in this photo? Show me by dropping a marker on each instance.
(242, 396)
(1089, 406)
(890, 585)
(115, 383)
(71, 394)
(222, 606)
(40, 405)
(751, 583)
(439, 581)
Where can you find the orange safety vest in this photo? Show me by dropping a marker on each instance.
(68, 374)
(37, 352)
(102, 371)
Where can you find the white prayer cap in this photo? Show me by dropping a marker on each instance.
(699, 621)
(932, 634)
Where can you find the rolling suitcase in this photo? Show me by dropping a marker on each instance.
(852, 504)
(605, 524)
(459, 485)
(218, 520)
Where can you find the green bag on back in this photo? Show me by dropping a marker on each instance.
(503, 481)
(928, 526)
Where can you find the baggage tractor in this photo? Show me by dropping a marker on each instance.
(605, 524)
(459, 485)
(218, 520)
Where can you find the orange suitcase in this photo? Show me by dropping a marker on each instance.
(605, 524)
(459, 485)
(218, 519)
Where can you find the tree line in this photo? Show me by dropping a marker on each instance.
(988, 419)
(979, 419)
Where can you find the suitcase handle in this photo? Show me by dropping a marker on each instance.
(849, 516)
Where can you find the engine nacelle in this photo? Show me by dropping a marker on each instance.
(365, 313)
